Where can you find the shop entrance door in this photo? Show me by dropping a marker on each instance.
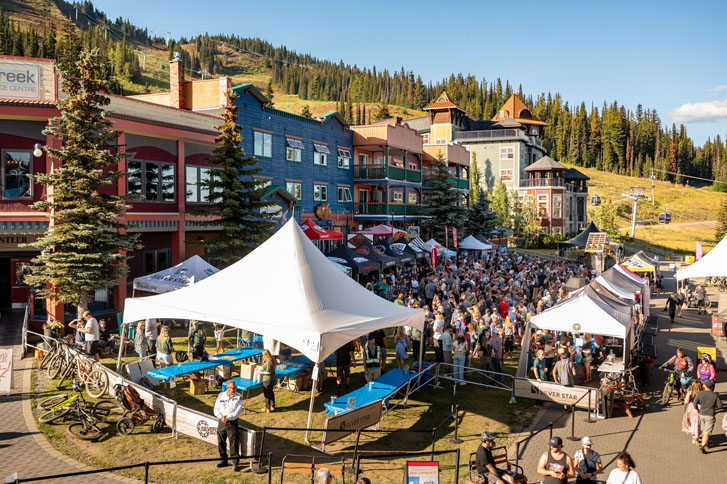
(5, 279)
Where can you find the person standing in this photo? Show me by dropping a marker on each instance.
(587, 463)
(198, 340)
(228, 407)
(438, 330)
(705, 369)
(690, 420)
(554, 464)
(91, 335)
(672, 303)
(151, 333)
(487, 473)
(141, 346)
(460, 349)
(624, 472)
(344, 358)
(701, 295)
(707, 402)
(496, 355)
(165, 348)
(372, 360)
(447, 342)
(564, 372)
(268, 381)
(401, 343)
(539, 368)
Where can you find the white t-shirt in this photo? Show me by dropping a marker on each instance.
(438, 328)
(617, 476)
(150, 329)
(94, 334)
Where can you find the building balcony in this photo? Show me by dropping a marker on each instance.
(378, 172)
(490, 134)
(380, 208)
(459, 183)
(543, 183)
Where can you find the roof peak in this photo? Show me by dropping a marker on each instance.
(444, 101)
(516, 109)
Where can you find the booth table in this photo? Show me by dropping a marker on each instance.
(189, 367)
(383, 388)
(615, 367)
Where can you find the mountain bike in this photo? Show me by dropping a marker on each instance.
(671, 384)
(95, 379)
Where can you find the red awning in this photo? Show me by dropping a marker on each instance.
(316, 232)
(381, 230)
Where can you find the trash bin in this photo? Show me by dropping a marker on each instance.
(426, 373)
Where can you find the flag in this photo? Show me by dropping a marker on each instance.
(699, 253)
(454, 236)
(434, 257)
(446, 237)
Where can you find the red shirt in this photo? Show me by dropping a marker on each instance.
(503, 309)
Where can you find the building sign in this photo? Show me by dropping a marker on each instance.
(413, 231)
(323, 211)
(422, 472)
(339, 426)
(24, 79)
(13, 242)
(553, 392)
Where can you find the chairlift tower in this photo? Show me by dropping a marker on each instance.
(635, 194)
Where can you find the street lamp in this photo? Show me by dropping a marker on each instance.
(392, 224)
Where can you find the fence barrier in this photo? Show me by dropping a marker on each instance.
(357, 462)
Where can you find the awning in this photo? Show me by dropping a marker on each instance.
(637, 264)
(713, 264)
(347, 257)
(316, 232)
(381, 230)
(471, 243)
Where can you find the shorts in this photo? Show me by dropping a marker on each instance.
(91, 347)
(372, 373)
(343, 371)
(509, 343)
(165, 358)
(707, 423)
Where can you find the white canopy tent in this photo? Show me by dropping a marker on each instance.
(183, 274)
(285, 289)
(471, 243)
(618, 290)
(714, 264)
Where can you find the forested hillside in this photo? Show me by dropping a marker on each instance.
(630, 140)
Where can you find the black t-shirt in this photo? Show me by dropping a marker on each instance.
(380, 338)
(709, 402)
(482, 459)
(343, 354)
(104, 335)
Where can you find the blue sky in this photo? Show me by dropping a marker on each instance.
(669, 56)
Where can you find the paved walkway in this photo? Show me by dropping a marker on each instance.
(23, 449)
(654, 439)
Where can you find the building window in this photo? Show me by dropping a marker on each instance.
(344, 158)
(363, 159)
(320, 192)
(294, 189)
(16, 171)
(557, 206)
(263, 144)
(197, 188)
(425, 138)
(506, 175)
(398, 196)
(412, 198)
(155, 260)
(557, 231)
(293, 150)
(151, 180)
(440, 141)
(543, 206)
(344, 194)
(320, 156)
(379, 159)
(507, 153)
(263, 183)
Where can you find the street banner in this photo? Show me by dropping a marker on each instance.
(699, 252)
(454, 236)
(717, 328)
(446, 237)
(422, 472)
(434, 257)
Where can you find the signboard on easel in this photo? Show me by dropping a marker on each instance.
(422, 472)
(6, 371)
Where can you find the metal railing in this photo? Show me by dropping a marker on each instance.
(489, 133)
(380, 208)
(386, 171)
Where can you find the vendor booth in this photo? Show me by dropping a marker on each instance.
(712, 264)
(316, 232)
(183, 274)
(358, 263)
(471, 243)
(382, 230)
(290, 292)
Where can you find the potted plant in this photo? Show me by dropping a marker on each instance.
(52, 328)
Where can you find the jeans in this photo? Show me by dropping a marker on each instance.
(496, 368)
(459, 360)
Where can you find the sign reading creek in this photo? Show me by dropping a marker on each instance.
(19, 81)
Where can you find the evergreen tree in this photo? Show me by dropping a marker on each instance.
(489, 176)
(443, 209)
(480, 219)
(382, 112)
(475, 189)
(236, 198)
(605, 219)
(306, 112)
(85, 246)
(269, 93)
(501, 206)
(721, 229)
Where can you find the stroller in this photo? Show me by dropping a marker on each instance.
(137, 412)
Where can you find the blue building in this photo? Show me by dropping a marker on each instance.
(310, 159)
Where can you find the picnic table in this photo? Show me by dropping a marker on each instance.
(188, 367)
(383, 388)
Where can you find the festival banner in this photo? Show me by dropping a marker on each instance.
(434, 257)
(699, 252)
(446, 237)
(454, 236)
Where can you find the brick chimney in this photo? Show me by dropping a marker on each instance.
(176, 81)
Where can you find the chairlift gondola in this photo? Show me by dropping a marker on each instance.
(595, 201)
(664, 218)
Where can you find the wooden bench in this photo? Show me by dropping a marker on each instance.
(311, 468)
(499, 454)
(625, 401)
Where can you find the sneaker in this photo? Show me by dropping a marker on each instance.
(236, 468)
(224, 463)
(704, 451)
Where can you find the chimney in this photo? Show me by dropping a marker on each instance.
(176, 81)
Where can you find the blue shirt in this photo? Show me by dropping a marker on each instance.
(447, 341)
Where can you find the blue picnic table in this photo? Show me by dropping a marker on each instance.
(383, 388)
(189, 367)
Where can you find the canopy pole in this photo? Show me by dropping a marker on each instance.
(421, 356)
(122, 348)
(312, 397)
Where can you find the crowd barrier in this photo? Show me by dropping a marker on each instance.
(409, 456)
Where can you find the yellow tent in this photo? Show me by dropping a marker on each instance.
(637, 264)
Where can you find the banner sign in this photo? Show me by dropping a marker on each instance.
(6, 371)
(553, 392)
(699, 251)
(454, 236)
(446, 237)
(422, 472)
(717, 329)
(204, 427)
(434, 257)
(341, 425)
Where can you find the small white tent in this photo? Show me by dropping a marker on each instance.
(183, 274)
(714, 264)
(471, 243)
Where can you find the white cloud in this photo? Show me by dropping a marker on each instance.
(718, 89)
(703, 111)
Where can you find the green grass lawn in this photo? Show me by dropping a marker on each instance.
(481, 409)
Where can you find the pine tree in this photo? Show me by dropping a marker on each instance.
(306, 112)
(721, 229)
(269, 92)
(382, 112)
(480, 219)
(236, 202)
(443, 209)
(85, 247)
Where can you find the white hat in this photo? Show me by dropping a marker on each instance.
(586, 441)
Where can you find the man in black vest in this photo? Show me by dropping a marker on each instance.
(372, 359)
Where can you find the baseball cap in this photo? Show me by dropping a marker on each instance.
(586, 441)
(555, 442)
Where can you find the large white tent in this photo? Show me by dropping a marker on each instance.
(471, 243)
(714, 264)
(183, 274)
(285, 289)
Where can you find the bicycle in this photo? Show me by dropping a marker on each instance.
(59, 406)
(671, 382)
(95, 379)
